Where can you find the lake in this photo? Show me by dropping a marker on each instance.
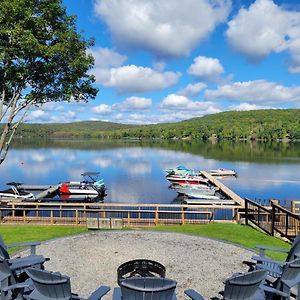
(134, 171)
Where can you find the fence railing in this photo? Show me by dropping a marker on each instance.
(130, 214)
(273, 219)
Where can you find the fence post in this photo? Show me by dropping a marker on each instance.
(24, 216)
(128, 218)
(182, 216)
(51, 216)
(156, 215)
(13, 210)
(286, 224)
(246, 211)
(273, 219)
(76, 217)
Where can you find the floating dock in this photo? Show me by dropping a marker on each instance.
(224, 189)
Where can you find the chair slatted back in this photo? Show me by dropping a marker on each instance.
(244, 286)
(6, 275)
(48, 285)
(147, 288)
(290, 276)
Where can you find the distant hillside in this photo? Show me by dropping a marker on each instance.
(67, 130)
(232, 125)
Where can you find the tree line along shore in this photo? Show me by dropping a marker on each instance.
(262, 125)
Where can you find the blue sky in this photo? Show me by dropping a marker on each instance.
(166, 61)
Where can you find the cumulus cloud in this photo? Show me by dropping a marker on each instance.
(134, 103)
(207, 68)
(135, 79)
(129, 104)
(37, 114)
(168, 28)
(257, 91)
(264, 28)
(192, 89)
(182, 103)
(105, 57)
(102, 109)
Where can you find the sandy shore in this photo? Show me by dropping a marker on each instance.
(92, 259)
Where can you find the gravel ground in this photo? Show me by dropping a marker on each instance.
(92, 259)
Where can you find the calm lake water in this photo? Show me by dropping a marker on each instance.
(134, 171)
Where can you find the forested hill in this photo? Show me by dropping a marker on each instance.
(256, 124)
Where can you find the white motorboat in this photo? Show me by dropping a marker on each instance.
(222, 172)
(195, 194)
(195, 189)
(15, 191)
(187, 179)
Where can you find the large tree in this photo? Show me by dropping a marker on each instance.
(42, 59)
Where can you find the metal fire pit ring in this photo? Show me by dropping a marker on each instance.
(140, 268)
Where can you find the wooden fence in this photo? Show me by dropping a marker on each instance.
(130, 214)
(295, 206)
(273, 219)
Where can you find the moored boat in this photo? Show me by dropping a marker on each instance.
(180, 170)
(195, 194)
(195, 189)
(15, 191)
(89, 186)
(222, 172)
(188, 179)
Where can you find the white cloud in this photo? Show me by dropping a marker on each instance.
(182, 103)
(246, 106)
(102, 109)
(37, 114)
(257, 91)
(167, 116)
(264, 28)
(192, 89)
(207, 68)
(136, 79)
(134, 103)
(105, 57)
(168, 28)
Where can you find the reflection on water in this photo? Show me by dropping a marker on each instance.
(134, 171)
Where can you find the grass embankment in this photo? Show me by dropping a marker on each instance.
(245, 236)
(13, 234)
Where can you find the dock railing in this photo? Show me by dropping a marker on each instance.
(272, 219)
(130, 214)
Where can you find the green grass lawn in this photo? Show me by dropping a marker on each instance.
(245, 236)
(12, 234)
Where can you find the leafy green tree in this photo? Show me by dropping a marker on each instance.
(42, 59)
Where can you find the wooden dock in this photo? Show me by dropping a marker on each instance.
(224, 189)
